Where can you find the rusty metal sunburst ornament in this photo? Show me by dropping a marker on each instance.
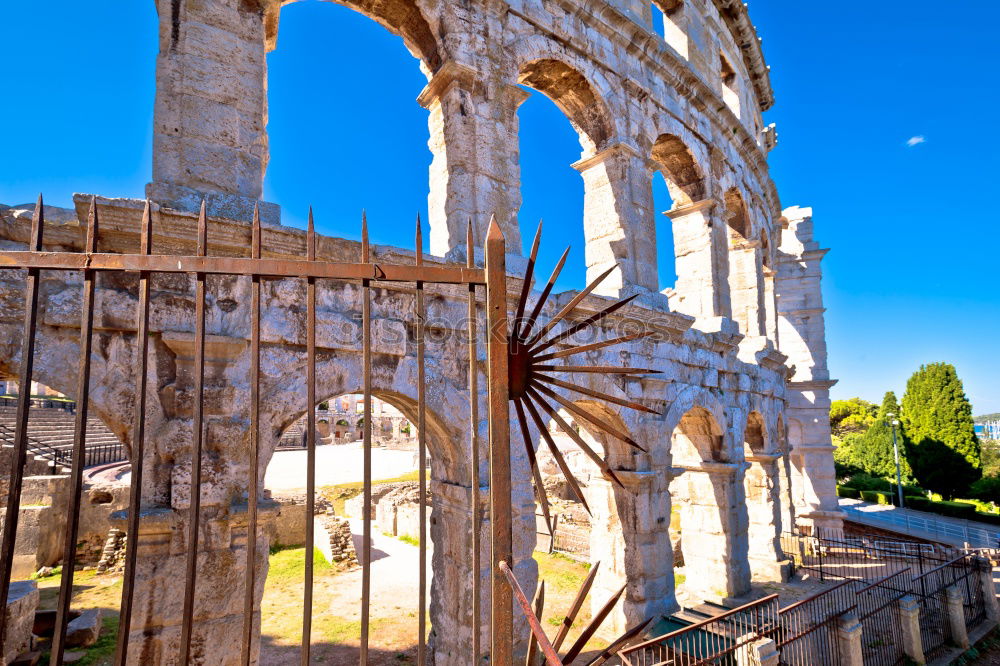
(530, 385)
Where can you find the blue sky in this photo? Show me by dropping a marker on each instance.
(912, 276)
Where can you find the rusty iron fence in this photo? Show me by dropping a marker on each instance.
(718, 640)
(144, 264)
(808, 634)
(965, 574)
(878, 613)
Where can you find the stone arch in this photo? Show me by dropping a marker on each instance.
(403, 18)
(755, 435)
(737, 216)
(684, 176)
(709, 497)
(711, 417)
(575, 96)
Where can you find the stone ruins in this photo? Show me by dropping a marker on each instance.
(740, 448)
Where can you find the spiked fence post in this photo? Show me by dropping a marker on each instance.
(502, 616)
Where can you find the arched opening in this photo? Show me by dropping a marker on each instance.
(338, 534)
(707, 506)
(47, 499)
(678, 183)
(332, 115)
(745, 267)
(762, 489)
(551, 190)
(599, 529)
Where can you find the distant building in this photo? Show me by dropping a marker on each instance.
(988, 429)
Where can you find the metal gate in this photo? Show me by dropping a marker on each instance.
(522, 351)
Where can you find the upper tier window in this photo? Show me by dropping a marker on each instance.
(730, 86)
(670, 15)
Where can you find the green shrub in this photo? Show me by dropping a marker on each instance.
(870, 495)
(885, 497)
(919, 503)
(847, 491)
(990, 518)
(955, 509)
(867, 482)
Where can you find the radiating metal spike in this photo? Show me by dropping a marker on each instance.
(571, 305)
(592, 347)
(592, 628)
(554, 450)
(526, 287)
(574, 609)
(594, 394)
(593, 319)
(544, 295)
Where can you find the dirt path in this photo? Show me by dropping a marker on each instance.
(337, 609)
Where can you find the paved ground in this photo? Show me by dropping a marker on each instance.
(335, 463)
(922, 524)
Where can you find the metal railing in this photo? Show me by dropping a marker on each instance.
(953, 529)
(878, 613)
(808, 628)
(717, 640)
(861, 558)
(963, 572)
(55, 456)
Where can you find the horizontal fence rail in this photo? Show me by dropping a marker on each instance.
(304, 274)
(955, 529)
(808, 628)
(720, 639)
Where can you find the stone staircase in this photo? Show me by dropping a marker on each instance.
(50, 437)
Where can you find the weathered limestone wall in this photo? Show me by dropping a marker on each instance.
(687, 106)
(803, 338)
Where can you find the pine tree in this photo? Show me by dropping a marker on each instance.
(937, 420)
(872, 451)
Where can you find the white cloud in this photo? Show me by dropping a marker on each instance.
(915, 140)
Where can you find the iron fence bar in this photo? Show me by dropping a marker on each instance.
(422, 456)
(138, 445)
(79, 448)
(273, 268)
(194, 518)
(307, 601)
(249, 591)
(501, 617)
(366, 546)
(20, 453)
(474, 449)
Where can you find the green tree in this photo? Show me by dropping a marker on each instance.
(937, 419)
(851, 416)
(873, 449)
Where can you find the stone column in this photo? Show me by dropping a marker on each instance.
(767, 562)
(770, 308)
(209, 137)
(954, 609)
(909, 621)
(989, 594)
(746, 287)
(762, 652)
(475, 172)
(849, 634)
(702, 288)
(713, 535)
(630, 537)
(802, 333)
(618, 220)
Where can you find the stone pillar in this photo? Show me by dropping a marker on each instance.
(989, 594)
(631, 550)
(763, 502)
(702, 288)
(909, 621)
(849, 635)
(209, 137)
(802, 333)
(618, 220)
(218, 606)
(954, 610)
(746, 288)
(770, 308)
(762, 652)
(713, 530)
(475, 172)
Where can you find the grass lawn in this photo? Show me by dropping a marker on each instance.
(563, 576)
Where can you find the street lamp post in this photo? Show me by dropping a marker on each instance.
(893, 421)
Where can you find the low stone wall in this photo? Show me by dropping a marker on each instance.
(334, 539)
(22, 601)
(354, 507)
(290, 527)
